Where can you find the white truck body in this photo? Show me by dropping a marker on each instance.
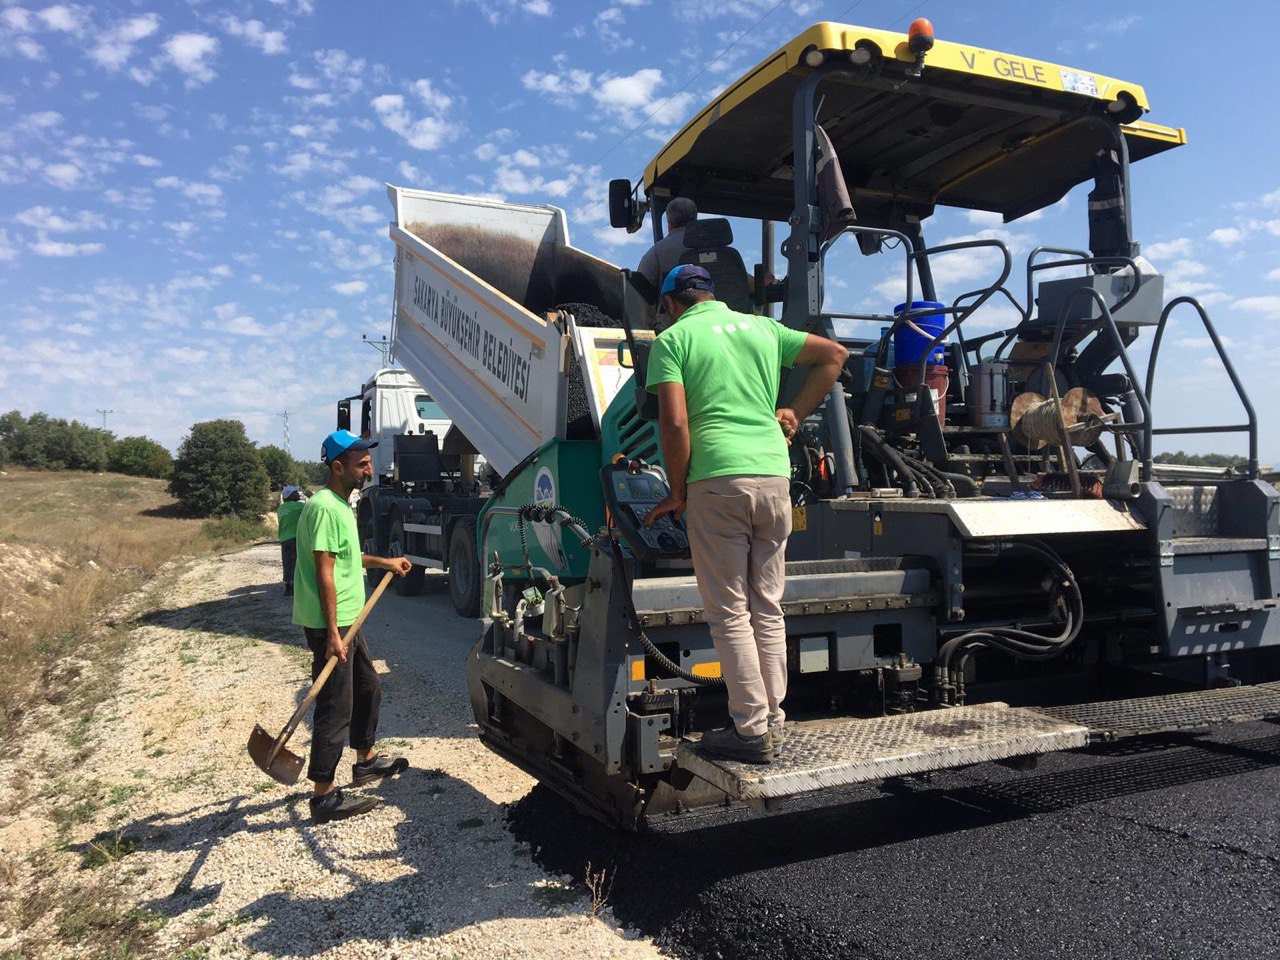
(393, 403)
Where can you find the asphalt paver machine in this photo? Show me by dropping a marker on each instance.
(986, 562)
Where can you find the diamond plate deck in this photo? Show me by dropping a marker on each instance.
(1195, 710)
(828, 753)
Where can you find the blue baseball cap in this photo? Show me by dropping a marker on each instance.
(687, 276)
(339, 442)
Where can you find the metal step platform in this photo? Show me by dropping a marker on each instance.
(1190, 711)
(833, 753)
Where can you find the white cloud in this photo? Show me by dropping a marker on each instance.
(63, 18)
(255, 34)
(44, 218)
(609, 24)
(1181, 247)
(8, 249)
(64, 175)
(421, 132)
(1227, 235)
(221, 270)
(190, 53)
(634, 97)
(245, 326)
(44, 247)
(344, 72)
(1274, 274)
(1268, 307)
(205, 194)
(539, 8)
(350, 288)
(29, 49)
(300, 81)
(114, 46)
(411, 173)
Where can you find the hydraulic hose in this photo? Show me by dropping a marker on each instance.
(891, 458)
(633, 622)
(1021, 644)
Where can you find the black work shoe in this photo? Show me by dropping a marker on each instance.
(369, 770)
(728, 743)
(778, 731)
(336, 805)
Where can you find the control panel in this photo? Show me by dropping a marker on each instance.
(632, 488)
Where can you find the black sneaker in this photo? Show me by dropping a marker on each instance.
(728, 743)
(369, 770)
(336, 805)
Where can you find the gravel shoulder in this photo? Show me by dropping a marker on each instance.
(153, 802)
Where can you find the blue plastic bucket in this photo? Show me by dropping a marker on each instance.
(908, 345)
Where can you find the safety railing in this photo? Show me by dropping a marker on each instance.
(1109, 323)
(1251, 427)
(912, 256)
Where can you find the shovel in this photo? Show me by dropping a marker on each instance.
(268, 752)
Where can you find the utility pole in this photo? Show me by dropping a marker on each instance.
(382, 345)
(285, 415)
(104, 416)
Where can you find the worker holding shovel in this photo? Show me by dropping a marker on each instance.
(328, 594)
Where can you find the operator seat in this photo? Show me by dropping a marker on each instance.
(707, 244)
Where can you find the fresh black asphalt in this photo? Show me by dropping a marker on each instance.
(1142, 849)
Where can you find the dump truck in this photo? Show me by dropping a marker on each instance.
(427, 488)
(986, 563)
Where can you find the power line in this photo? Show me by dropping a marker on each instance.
(104, 413)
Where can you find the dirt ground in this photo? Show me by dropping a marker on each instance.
(144, 829)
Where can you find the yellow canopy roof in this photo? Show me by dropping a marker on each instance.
(978, 129)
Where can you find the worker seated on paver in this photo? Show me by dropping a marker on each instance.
(667, 252)
(724, 445)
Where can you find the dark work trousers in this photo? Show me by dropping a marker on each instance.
(288, 557)
(346, 707)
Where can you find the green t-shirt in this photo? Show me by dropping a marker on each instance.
(287, 518)
(730, 365)
(327, 524)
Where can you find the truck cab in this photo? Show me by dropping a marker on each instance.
(391, 404)
(423, 494)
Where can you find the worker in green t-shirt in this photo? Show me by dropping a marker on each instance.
(328, 594)
(287, 524)
(724, 444)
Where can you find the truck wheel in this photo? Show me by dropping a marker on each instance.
(466, 585)
(410, 585)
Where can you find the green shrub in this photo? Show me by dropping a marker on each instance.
(140, 457)
(282, 469)
(217, 472)
(233, 530)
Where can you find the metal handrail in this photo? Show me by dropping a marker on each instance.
(1251, 427)
(1082, 258)
(876, 231)
(1123, 353)
(967, 345)
(985, 294)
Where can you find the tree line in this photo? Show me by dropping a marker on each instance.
(218, 471)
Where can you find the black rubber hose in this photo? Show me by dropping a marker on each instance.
(965, 486)
(1023, 644)
(633, 622)
(889, 456)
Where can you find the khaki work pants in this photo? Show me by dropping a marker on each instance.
(738, 528)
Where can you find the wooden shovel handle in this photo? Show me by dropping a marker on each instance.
(309, 699)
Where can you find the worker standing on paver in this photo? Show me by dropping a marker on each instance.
(329, 592)
(287, 526)
(716, 374)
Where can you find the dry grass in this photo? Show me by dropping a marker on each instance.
(72, 544)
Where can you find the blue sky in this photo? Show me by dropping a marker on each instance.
(193, 221)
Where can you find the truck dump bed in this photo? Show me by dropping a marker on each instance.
(478, 283)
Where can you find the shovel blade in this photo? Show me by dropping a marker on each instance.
(285, 767)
